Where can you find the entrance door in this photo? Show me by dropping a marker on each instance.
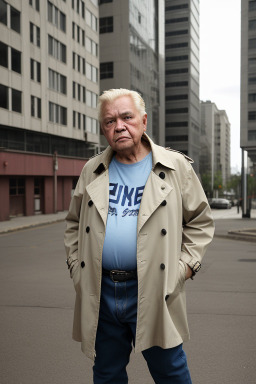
(38, 195)
(17, 196)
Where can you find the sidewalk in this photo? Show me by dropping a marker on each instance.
(234, 227)
(23, 222)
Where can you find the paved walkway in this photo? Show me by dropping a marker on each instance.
(227, 224)
(24, 222)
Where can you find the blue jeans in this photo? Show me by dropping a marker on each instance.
(116, 333)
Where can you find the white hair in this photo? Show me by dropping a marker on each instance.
(112, 94)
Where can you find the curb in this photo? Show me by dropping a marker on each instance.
(236, 236)
(27, 226)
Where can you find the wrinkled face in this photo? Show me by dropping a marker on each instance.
(122, 124)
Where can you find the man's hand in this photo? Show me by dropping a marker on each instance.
(189, 272)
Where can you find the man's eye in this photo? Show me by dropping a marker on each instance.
(127, 117)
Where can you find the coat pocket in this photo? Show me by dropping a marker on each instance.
(76, 279)
(182, 274)
(181, 278)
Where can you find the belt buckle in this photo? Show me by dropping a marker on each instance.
(115, 272)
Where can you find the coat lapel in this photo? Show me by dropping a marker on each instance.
(98, 191)
(156, 190)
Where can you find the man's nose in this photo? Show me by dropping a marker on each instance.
(120, 126)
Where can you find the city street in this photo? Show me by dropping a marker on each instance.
(37, 299)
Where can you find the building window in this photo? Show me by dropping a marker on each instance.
(17, 186)
(176, 7)
(177, 138)
(15, 20)
(56, 49)
(57, 82)
(16, 100)
(106, 70)
(252, 115)
(91, 73)
(177, 33)
(3, 12)
(3, 55)
(177, 84)
(252, 97)
(79, 7)
(16, 60)
(252, 5)
(35, 4)
(176, 97)
(56, 17)
(57, 114)
(177, 20)
(105, 1)
(35, 70)
(252, 80)
(177, 58)
(176, 71)
(91, 20)
(91, 99)
(176, 45)
(177, 110)
(91, 46)
(34, 34)
(91, 125)
(252, 44)
(106, 24)
(252, 25)
(35, 107)
(4, 97)
(251, 135)
(177, 124)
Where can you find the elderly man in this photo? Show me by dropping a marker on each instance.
(137, 229)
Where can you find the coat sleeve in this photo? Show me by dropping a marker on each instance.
(72, 228)
(198, 225)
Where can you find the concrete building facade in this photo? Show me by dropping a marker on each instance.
(49, 71)
(248, 101)
(182, 77)
(214, 143)
(132, 54)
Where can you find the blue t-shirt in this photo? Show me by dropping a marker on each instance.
(126, 185)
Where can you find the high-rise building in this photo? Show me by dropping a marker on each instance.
(248, 97)
(132, 54)
(182, 77)
(214, 144)
(49, 86)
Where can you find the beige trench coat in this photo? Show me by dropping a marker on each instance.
(185, 215)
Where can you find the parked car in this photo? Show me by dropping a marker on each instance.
(220, 203)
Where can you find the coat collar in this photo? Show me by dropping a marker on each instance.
(159, 156)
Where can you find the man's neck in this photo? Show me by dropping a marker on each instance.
(128, 157)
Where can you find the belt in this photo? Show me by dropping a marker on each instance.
(120, 276)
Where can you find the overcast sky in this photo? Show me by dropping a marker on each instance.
(220, 63)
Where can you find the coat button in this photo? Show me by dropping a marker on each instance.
(163, 231)
(167, 297)
(82, 264)
(162, 175)
(162, 266)
(87, 229)
(164, 203)
(90, 203)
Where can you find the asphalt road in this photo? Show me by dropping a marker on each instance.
(37, 300)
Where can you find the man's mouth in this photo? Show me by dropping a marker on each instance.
(121, 137)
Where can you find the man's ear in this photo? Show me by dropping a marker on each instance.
(144, 121)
